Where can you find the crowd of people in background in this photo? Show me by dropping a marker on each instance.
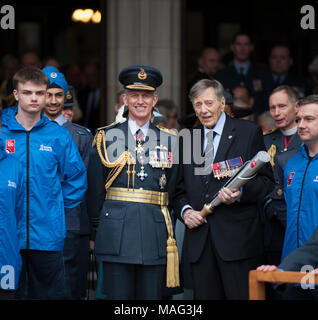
(84, 80)
(271, 96)
(248, 83)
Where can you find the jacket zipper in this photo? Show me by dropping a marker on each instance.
(28, 189)
(301, 193)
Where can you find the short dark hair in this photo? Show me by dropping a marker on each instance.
(291, 93)
(312, 99)
(32, 74)
(241, 33)
(243, 86)
(280, 45)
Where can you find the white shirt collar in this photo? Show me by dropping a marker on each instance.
(289, 132)
(133, 126)
(60, 119)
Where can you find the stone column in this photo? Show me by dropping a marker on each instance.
(146, 32)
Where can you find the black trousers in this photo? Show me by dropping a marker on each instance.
(132, 281)
(71, 257)
(42, 275)
(7, 294)
(215, 279)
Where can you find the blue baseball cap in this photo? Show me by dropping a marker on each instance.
(56, 78)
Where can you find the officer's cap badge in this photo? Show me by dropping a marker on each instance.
(142, 75)
(68, 95)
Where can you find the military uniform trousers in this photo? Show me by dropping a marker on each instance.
(131, 242)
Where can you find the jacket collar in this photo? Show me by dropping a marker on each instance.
(9, 120)
(304, 152)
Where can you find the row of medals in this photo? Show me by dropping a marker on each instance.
(155, 162)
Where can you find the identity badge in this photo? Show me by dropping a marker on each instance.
(10, 146)
(290, 178)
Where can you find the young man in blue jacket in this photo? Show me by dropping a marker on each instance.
(301, 187)
(11, 211)
(301, 179)
(76, 245)
(55, 182)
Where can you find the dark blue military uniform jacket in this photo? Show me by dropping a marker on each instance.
(129, 232)
(77, 218)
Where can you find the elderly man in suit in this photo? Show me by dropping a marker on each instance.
(225, 245)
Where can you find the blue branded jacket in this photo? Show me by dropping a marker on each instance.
(11, 212)
(301, 195)
(55, 179)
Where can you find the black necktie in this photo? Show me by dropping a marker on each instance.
(277, 83)
(242, 76)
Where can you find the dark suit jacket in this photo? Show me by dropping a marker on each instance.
(257, 80)
(90, 118)
(77, 218)
(236, 229)
(128, 232)
(300, 84)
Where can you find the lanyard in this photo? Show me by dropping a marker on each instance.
(287, 143)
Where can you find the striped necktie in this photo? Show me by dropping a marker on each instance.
(208, 154)
(139, 135)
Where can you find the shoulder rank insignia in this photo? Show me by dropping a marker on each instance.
(265, 133)
(112, 125)
(170, 131)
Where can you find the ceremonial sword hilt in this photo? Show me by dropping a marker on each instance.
(206, 210)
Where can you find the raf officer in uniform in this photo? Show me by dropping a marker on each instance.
(131, 176)
(77, 223)
(282, 107)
